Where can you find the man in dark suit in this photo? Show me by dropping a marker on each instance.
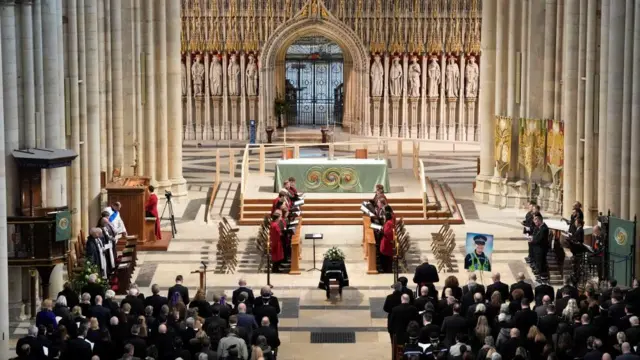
(246, 321)
(242, 287)
(215, 324)
(521, 284)
(427, 329)
(268, 311)
(180, 289)
(633, 332)
(100, 312)
(426, 274)
(525, 318)
(268, 332)
(423, 299)
(540, 246)
(633, 295)
(508, 348)
(133, 299)
(573, 291)
(548, 323)
(583, 332)
(498, 286)
(79, 348)
(400, 317)
(405, 290)
(562, 302)
(156, 300)
(393, 299)
(594, 345)
(92, 288)
(36, 351)
(139, 343)
(471, 310)
(267, 298)
(544, 289)
(625, 322)
(606, 294)
(71, 296)
(453, 325)
(616, 310)
(626, 353)
(473, 286)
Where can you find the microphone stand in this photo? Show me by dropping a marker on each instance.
(204, 268)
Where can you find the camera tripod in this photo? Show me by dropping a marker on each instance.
(172, 217)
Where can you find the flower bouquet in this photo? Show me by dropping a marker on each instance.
(82, 278)
(334, 254)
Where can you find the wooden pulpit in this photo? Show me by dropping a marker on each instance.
(296, 250)
(369, 244)
(132, 193)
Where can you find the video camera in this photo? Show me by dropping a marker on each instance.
(168, 194)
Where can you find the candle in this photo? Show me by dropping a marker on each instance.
(285, 136)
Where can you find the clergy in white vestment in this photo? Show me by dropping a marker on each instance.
(115, 219)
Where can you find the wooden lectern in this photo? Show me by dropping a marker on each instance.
(203, 277)
(132, 193)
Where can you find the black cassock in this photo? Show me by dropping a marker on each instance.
(333, 270)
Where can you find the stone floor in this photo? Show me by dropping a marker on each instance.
(306, 314)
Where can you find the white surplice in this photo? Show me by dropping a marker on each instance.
(117, 222)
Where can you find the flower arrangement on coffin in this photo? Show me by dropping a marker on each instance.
(81, 279)
(334, 254)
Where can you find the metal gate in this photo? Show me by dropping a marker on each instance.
(315, 93)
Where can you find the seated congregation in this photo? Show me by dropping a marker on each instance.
(94, 326)
(516, 321)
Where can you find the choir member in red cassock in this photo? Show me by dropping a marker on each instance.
(151, 210)
(280, 200)
(293, 192)
(275, 241)
(386, 245)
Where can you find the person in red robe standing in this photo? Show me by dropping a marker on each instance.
(386, 245)
(280, 200)
(275, 241)
(151, 210)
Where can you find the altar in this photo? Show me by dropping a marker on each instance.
(333, 176)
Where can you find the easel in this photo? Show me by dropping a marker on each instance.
(203, 276)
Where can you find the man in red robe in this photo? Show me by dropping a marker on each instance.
(151, 210)
(280, 200)
(275, 241)
(386, 245)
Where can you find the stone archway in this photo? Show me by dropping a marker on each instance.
(314, 19)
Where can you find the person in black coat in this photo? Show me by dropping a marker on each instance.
(582, 333)
(139, 344)
(594, 350)
(393, 299)
(268, 332)
(426, 274)
(267, 298)
(498, 286)
(92, 288)
(137, 304)
(453, 325)
(35, 346)
(405, 290)
(548, 323)
(543, 289)
(540, 246)
(78, 348)
(242, 287)
(101, 313)
(156, 300)
(572, 290)
(180, 289)
(521, 284)
(525, 318)
(400, 318)
(72, 297)
(424, 299)
(268, 311)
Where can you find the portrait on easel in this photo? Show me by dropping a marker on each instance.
(479, 248)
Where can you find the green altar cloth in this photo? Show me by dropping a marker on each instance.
(333, 176)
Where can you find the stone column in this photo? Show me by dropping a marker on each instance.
(53, 120)
(148, 88)
(375, 101)
(28, 69)
(162, 130)
(486, 94)
(386, 99)
(242, 124)
(109, 130)
(569, 98)
(614, 105)
(178, 184)
(395, 115)
(226, 117)
(548, 97)
(580, 85)
(422, 129)
(587, 201)
(4, 263)
(602, 105)
(207, 131)
(412, 132)
(39, 76)
(102, 84)
(84, 147)
(10, 93)
(405, 98)
(634, 192)
(511, 65)
(117, 85)
(93, 106)
(74, 112)
(626, 112)
(499, 58)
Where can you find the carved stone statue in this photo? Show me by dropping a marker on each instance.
(395, 78)
(215, 77)
(183, 79)
(377, 76)
(414, 78)
(434, 78)
(471, 77)
(233, 72)
(252, 77)
(453, 79)
(197, 75)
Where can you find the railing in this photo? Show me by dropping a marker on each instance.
(379, 148)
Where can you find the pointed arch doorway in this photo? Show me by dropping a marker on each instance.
(314, 87)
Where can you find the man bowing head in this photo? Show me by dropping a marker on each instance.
(115, 219)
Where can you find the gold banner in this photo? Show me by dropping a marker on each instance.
(555, 149)
(531, 147)
(502, 153)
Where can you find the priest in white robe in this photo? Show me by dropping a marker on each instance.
(115, 219)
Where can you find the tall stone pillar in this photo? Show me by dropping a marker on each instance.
(580, 84)
(548, 98)
(178, 184)
(4, 262)
(93, 106)
(570, 99)
(625, 160)
(36, 10)
(602, 105)
(84, 148)
(10, 93)
(74, 112)
(614, 105)
(102, 84)
(634, 208)
(589, 141)
(28, 75)
(499, 55)
(148, 89)
(162, 130)
(486, 99)
(117, 85)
